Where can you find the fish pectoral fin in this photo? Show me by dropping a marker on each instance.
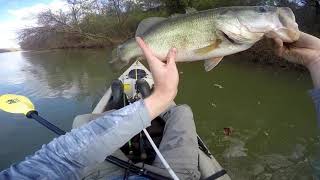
(209, 48)
(147, 23)
(209, 64)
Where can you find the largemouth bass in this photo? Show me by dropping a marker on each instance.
(209, 35)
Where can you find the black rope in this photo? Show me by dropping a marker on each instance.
(203, 147)
(217, 175)
(126, 173)
(135, 169)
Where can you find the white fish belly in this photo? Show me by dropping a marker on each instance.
(185, 55)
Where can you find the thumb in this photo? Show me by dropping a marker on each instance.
(171, 57)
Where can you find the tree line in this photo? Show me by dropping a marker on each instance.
(101, 23)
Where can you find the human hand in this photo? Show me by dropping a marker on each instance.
(166, 79)
(305, 51)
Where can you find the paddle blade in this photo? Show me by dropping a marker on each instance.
(15, 104)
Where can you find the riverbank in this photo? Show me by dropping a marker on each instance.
(3, 50)
(261, 53)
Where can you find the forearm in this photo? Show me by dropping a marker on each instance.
(158, 102)
(314, 69)
(66, 156)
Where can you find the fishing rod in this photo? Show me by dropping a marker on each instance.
(145, 92)
(155, 148)
(18, 104)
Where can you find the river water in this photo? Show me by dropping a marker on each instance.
(272, 117)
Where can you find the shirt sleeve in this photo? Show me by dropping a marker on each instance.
(315, 95)
(66, 156)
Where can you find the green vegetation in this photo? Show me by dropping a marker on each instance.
(88, 24)
(101, 23)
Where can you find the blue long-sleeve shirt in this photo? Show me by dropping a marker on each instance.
(315, 95)
(66, 156)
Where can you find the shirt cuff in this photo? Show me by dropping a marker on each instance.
(144, 115)
(315, 95)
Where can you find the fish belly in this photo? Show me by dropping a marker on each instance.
(183, 56)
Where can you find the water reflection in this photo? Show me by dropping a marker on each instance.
(71, 74)
(61, 84)
(12, 65)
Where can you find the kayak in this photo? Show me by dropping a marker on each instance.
(135, 83)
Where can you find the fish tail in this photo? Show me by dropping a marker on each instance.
(116, 62)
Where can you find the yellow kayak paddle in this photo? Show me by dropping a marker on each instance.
(18, 104)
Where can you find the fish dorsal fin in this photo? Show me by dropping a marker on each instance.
(190, 10)
(176, 15)
(209, 64)
(146, 24)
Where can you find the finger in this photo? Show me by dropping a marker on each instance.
(278, 46)
(151, 59)
(146, 50)
(270, 42)
(171, 57)
(307, 41)
(295, 55)
(278, 43)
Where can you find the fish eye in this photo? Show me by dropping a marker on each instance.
(262, 9)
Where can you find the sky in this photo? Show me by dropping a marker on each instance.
(18, 14)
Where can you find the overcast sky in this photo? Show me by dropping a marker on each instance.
(17, 14)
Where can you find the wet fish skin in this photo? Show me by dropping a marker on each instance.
(209, 35)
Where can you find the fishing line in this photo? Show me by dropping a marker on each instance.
(162, 159)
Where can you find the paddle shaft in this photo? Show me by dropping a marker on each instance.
(34, 115)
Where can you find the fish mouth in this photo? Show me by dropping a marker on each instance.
(288, 29)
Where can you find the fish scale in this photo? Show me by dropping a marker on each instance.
(209, 35)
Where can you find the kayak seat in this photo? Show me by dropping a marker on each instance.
(137, 74)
